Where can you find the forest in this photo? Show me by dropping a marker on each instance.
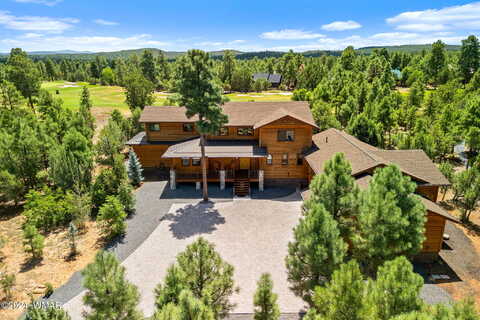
(63, 172)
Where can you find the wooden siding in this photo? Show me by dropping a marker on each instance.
(434, 229)
(169, 131)
(429, 192)
(150, 156)
(232, 134)
(302, 140)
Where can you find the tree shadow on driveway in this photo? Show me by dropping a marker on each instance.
(194, 220)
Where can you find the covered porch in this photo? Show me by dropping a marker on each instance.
(227, 161)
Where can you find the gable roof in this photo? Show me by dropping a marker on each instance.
(431, 206)
(239, 113)
(363, 157)
(273, 78)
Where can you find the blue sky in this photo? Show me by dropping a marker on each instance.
(107, 25)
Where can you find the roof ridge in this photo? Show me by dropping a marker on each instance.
(373, 157)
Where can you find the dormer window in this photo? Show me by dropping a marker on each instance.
(154, 126)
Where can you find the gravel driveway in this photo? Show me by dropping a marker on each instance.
(250, 234)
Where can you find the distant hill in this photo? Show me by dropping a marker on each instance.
(86, 55)
(411, 48)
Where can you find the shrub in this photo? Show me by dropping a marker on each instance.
(112, 218)
(33, 241)
(48, 209)
(7, 281)
(48, 290)
(301, 95)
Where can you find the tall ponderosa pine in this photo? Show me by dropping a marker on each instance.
(469, 61)
(202, 97)
(265, 301)
(201, 270)
(316, 252)
(343, 298)
(109, 295)
(396, 289)
(134, 168)
(391, 220)
(149, 69)
(337, 191)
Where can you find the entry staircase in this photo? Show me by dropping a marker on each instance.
(241, 187)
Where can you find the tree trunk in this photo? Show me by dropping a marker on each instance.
(204, 167)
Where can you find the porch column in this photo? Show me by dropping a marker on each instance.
(173, 179)
(222, 179)
(260, 180)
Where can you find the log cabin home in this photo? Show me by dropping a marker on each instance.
(276, 142)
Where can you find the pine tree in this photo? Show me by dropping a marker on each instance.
(109, 295)
(33, 241)
(265, 301)
(202, 97)
(343, 297)
(110, 143)
(391, 220)
(50, 313)
(126, 197)
(72, 237)
(134, 168)
(337, 191)
(201, 270)
(112, 218)
(469, 61)
(316, 252)
(7, 282)
(396, 290)
(188, 308)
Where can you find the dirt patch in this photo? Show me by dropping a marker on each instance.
(463, 256)
(54, 268)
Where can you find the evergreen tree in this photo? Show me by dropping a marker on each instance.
(396, 290)
(469, 61)
(228, 67)
(337, 191)
(134, 168)
(109, 295)
(10, 97)
(343, 298)
(202, 271)
(149, 69)
(391, 220)
(365, 129)
(265, 301)
(139, 91)
(188, 308)
(50, 313)
(33, 241)
(72, 237)
(316, 252)
(126, 197)
(446, 168)
(347, 59)
(436, 61)
(110, 143)
(202, 97)
(112, 216)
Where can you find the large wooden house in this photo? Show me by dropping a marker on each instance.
(275, 142)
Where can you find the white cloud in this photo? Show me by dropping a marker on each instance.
(45, 2)
(460, 17)
(379, 39)
(82, 43)
(31, 35)
(290, 34)
(219, 44)
(34, 23)
(105, 22)
(341, 25)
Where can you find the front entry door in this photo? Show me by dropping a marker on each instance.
(244, 163)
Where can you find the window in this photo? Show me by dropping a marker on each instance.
(223, 131)
(269, 159)
(245, 131)
(299, 159)
(285, 135)
(196, 161)
(185, 162)
(154, 127)
(285, 159)
(188, 127)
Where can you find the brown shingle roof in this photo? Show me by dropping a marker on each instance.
(216, 149)
(429, 205)
(239, 113)
(363, 156)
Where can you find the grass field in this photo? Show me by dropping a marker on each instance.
(114, 97)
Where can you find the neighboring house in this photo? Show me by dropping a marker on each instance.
(274, 142)
(274, 78)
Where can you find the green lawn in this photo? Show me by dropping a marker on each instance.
(113, 96)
